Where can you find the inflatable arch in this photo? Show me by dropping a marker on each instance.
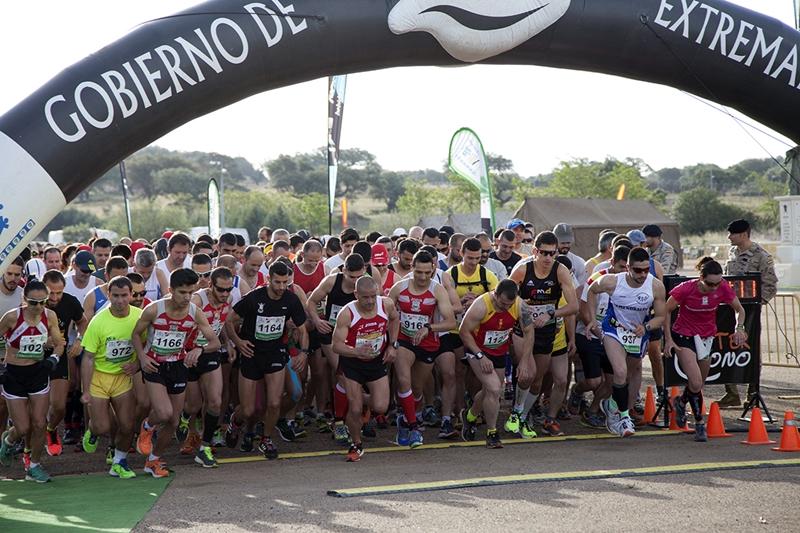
(169, 71)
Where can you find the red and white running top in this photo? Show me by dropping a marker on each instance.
(216, 318)
(368, 331)
(167, 337)
(27, 339)
(416, 310)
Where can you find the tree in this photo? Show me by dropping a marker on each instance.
(388, 186)
(700, 210)
(581, 178)
(70, 217)
(181, 180)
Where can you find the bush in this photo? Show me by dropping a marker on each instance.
(700, 210)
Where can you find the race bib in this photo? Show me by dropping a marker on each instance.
(410, 323)
(334, 313)
(201, 340)
(374, 341)
(167, 343)
(495, 339)
(630, 341)
(702, 346)
(601, 313)
(118, 351)
(32, 346)
(269, 328)
(544, 309)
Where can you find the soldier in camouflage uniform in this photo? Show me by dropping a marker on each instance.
(744, 257)
(660, 251)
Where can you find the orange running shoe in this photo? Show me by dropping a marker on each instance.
(191, 444)
(157, 468)
(144, 444)
(355, 453)
(54, 446)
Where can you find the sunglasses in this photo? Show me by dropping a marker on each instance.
(527, 241)
(710, 284)
(639, 270)
(220, 289)
(139, 294)
(31, 301)
(548, 253)
(203, 274)
(87, 271)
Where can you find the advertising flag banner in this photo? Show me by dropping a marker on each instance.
(468, 160)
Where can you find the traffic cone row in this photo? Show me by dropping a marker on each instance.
(790, 437)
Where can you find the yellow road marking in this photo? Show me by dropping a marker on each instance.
(560, 476)
(445, 445)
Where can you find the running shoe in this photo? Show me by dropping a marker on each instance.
(218, 440)
(447, 430)
(297, 428)
(144, 444)
(37, 474)
(323, 425)
(6, 450)
(54, 445)
(71, 436)
(563, 414)
(156, 468)
(700, 434)
(552, 428)
(205, 457)
(403, 432)
(368, 430)
(680, 411)
(512, 424)
(182, 431)
(121, 470)
(626, 427)
(26, 460)
(285, 430)
(592, 420)
(468, 429)
(574, 402)
(381, 422)
(537, 415)
(526, 431)
(612, 416)
(110, 455)
(191, 444)
(231, 435)
(340, 433)
(355, 453)
(247, 442)
(638, 405)
(493, 439)
(267, 447)
(430, 417)
(415, 438)
(89, 441)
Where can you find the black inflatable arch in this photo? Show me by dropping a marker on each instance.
(167, 72)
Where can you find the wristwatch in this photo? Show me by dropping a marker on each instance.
(479, 356)
(395, 345)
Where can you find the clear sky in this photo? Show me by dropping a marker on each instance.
(573, 114)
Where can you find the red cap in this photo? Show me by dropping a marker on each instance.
(84, 248)
(167, 234)
(135, 246)
(380, 256)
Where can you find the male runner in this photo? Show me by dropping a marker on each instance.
(10, 298)
(625, 330)
(165, 362)
(108, 364)
(101, 250)
(98, 298)
(347, 238)
(253, 261)
(405, 254)
(263, 314)
(178, 247)
(202, 266)
(365, 337)
(486, 334)
(155, 281)
(505, 251)
(425, 311)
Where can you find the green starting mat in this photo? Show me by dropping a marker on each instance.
(93, 502)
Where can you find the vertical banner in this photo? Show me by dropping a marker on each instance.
(468, 160)
(797, 14)
(337, 87)
(214, 209)
(124, 176)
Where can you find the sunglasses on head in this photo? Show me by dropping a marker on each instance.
(639, 270)
(548, 253)
(139, 294)
(31, 301)
(220, 289)
(204, 274)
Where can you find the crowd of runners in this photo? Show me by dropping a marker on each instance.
(211, 343)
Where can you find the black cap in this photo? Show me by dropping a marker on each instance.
(651, 230)
(739, 226)
(447, 229)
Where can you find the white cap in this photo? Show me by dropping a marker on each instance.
(35, 269)
(399, 232)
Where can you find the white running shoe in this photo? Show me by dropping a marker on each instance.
(627, 427)
(612, 416)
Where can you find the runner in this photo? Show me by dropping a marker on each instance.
(694, 332)
(52, 258)
(227, 244)
(420, 301)
(405, 254)
(542, 281)
(566, 237)
(347, 239)
(486, 334)
(68, 312)
(80, 280)
(27, 330)
(505, 251)
(491, 264)
(202, 266)
(10, 298)
(108, 364)
(365, 337)
(178, 254)
(155, 281)
(98, 298)
(101, 250)
(140, 301)
(337, 289)
(263, 314)
(165, 362)
(626, 330)
(379, 259)
(253, 261)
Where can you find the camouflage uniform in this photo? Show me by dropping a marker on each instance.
(754, 259)
(665, 254)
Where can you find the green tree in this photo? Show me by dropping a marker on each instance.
(700, 210)
(581, 178)
(181, 180)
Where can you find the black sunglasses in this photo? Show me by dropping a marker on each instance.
(527, 241)
(639, 270)
(87, 271)
(139, 294)
(711, 285)
(220, 289)
(548, 253)
(31, 301)
(203, 274)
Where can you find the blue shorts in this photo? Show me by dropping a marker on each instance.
(634, 348)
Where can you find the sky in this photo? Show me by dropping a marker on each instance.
(534, 116)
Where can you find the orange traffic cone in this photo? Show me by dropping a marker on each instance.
(673, 420)
(716, 428)
(790, 437)
(757, 434)
(649, 406)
